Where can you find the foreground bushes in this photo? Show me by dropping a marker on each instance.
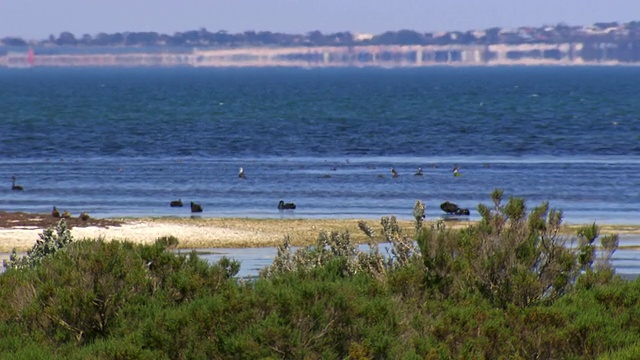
(509, 287)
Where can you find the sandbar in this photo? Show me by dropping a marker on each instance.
(200, 233)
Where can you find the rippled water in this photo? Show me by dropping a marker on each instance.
(124, 142)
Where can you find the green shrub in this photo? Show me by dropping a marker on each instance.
(511, 256)
(48, 244)
(349, 260)
(508, 287)
(78, 294)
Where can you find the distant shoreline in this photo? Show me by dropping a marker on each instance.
(386, 56)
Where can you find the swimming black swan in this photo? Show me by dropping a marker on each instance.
(176, 203)
(55, 213)
(16, 187)
(451, 208)
(196, 207)
(286, 206)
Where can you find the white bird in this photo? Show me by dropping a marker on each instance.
(241, 174)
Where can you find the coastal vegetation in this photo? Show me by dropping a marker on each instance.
(510, 286)
(599, 32)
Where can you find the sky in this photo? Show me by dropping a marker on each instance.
(37, 19)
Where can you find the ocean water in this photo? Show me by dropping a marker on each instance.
(125, 142)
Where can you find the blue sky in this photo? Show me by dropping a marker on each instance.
(37, 19)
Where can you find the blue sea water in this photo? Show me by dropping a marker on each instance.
(125, 142)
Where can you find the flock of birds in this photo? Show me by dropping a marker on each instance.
(394, 173)
(197, 208)
(447, 207)
(84, 216)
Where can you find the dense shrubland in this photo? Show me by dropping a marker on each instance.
(507, 287)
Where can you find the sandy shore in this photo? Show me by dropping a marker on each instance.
(200, 232)
(225, 232)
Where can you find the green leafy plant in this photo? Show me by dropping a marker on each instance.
(513, 256)
(339, 250)
(510, 286)
(51, 241)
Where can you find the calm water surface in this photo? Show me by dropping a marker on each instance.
(626, 260)
(125, 142)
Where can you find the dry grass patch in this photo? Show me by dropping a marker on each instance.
(245, 232)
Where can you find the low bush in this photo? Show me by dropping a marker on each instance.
(508, 287)
(49, 242)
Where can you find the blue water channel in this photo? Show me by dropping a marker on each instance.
(626, 260)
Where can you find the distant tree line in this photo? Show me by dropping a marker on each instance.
(625, 35)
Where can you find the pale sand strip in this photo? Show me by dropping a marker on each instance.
(230, 232)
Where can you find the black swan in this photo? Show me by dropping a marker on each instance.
(16, 187)
(451, 208)
(196, 207)
(286, 206)
(55, 213)
(176, 203)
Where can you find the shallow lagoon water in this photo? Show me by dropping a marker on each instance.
(626, 260)
(125, 142)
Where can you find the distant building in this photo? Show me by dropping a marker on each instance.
(362, 37)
